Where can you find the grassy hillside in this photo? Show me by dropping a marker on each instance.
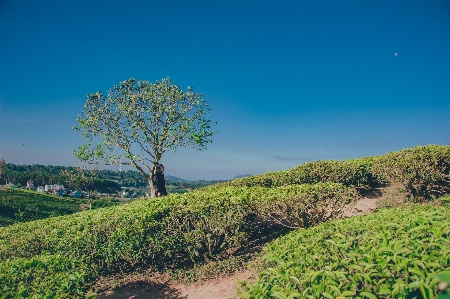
(18, 205)
(63, 256)
(423, 171)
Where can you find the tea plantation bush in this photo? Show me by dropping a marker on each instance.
(394, 253)
(360, 255)
(355, 172)
(44, 276)
(109, 237)
(156, 232)
(209, 222)
(424, 171)
(18, 205)
(305, 205)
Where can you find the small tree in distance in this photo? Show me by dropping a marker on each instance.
(79, 178)
(2, 166)
(138, 121)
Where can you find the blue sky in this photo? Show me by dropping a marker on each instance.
(288, 82)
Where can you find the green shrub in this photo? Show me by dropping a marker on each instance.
(423, 171)
(206, 223)
(44, 276)
(166, 230)
(305, 205)
(109, 238)
(210, 221)
(19, 205)
(355, 172)
(388, 254)
(444, 200)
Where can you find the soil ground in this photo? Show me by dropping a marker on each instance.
(220, 288)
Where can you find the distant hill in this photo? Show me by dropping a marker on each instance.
(241, 176)
(173, 178)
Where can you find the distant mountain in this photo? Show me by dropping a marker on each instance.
(173, 178)
(241, 176)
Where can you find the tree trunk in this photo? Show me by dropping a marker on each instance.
(152, 187)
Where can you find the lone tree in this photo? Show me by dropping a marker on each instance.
(138, 121)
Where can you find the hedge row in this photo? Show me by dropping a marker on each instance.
(22, 190)
(354, 172)
(18, 206)
(303, 206)
(165, 230)
(206, 221)
(399, 253)
(424, 172)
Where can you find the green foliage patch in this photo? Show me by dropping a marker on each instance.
(424, 172)
(21, 205)
(44, 276)
(305, 205)
(17, 205)
(207, 222)
(155, 233)
(389, 254)
(354, 172)
(382, 254)
(108, 238)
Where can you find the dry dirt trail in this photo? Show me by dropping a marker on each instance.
(221, 288)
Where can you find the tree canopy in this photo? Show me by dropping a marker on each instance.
(138, 121)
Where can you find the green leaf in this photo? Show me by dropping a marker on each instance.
(294, 295)
(425, 291)
(368, 295)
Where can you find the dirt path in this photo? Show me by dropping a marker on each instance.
(222, 288)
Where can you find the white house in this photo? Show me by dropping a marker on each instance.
(53, 188)
(30, 184)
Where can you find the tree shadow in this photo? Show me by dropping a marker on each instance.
(143, 290)
(263, 233)
(371, 193)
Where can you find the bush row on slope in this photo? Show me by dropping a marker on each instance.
(355, 172)
(106, 237)
(206, 226)
(389, 254)
(21, 206)
(423, 171)
(153, 233)
(302, 206)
